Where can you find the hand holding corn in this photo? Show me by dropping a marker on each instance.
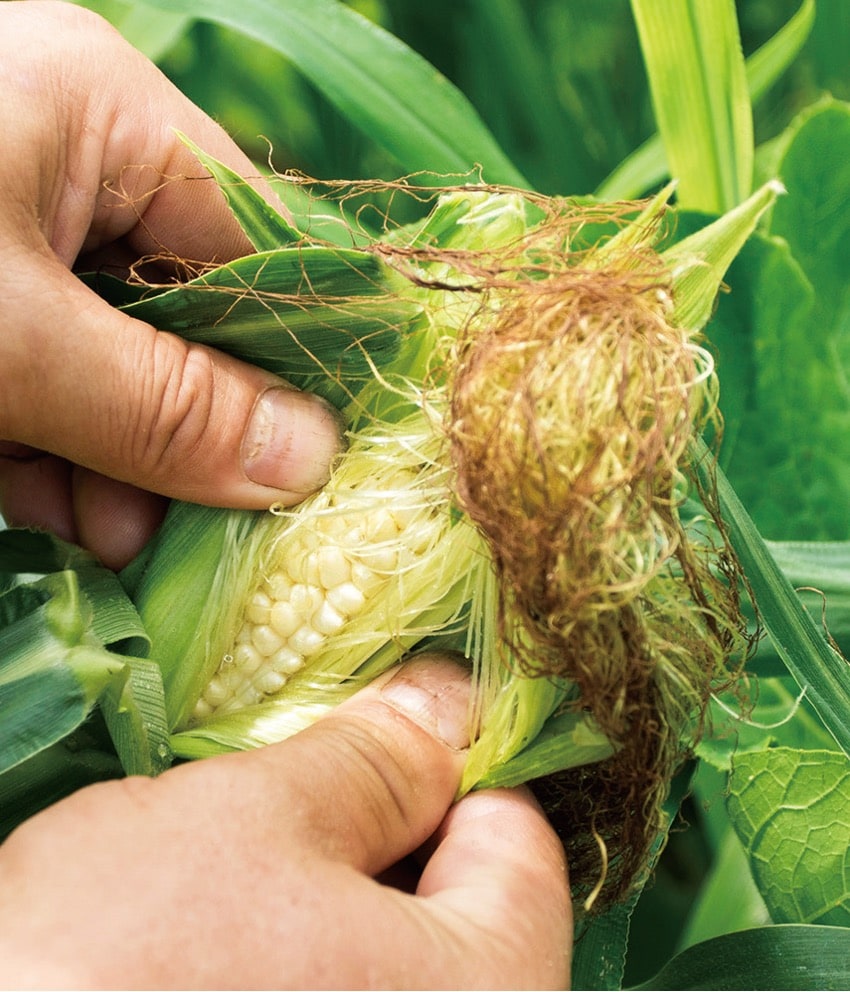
(257, 869)
(95, 404)
(168, 868)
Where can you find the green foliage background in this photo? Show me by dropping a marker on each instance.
(761, 837)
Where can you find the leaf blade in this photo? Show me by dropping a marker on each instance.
(698, 83)
(379, 83)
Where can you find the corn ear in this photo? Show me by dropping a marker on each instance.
(421, 537)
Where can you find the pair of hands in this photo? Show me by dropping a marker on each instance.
(337, 857)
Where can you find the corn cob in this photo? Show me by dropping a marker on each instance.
(339, 578)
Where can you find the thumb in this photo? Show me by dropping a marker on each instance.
(378, 773)
(91, 384)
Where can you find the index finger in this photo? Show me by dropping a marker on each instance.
(498, 863)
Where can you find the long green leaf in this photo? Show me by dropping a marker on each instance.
(264, 226)
(54, 665)
(698, 82)
(380, 84)
(151, 33)
(52, 671)
(817, 668)
(793, 956)
(49, 776)
(114, 619)
(647, 165)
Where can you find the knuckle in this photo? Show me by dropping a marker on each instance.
(170, 426)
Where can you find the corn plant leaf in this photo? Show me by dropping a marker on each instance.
(698, 83)
(815, 217)
(794, 305)
(647, 165)
(565, 741)
(781, 716)
(55, 666)
(380, 84)
(790, 810)
(713, 913)
(152, 33)
(799, 642)
(134, 711)
(772, 957)
(819, 571)
(184, 566)
(50, 775)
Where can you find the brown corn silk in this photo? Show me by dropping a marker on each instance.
(574, 401)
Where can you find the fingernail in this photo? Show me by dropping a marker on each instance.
(433, 691)
(291, 441)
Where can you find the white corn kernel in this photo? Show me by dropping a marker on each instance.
(364, 578)
(306, 640)
(257, 610)
(380, 526)
(244, 635)
(248, 696)
(286, 661)
(346, 598)
(247, 659)
(216, 692)
(202, 710)
(327, 620)
(403, 515)
(271, 682)
(284, 619)
(266, 640)
(354, 537)
(305, 598)
(310, 569)
(381, 558)
(278, 585)
(334, 567)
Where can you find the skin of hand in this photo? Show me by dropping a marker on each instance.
(138, 883)
(101, 416)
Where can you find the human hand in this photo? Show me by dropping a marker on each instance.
(99, 412)
(258, 869)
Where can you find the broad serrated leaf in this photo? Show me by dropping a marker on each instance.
(791, 810)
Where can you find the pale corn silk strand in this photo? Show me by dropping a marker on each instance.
(536, 470)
